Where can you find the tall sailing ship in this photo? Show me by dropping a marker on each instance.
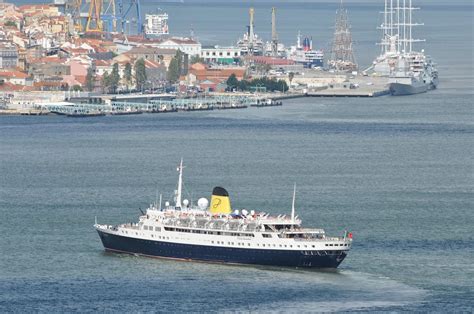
(409, 71)
(342, 57)
(217, 233)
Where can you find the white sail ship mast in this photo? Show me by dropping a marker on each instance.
(397, 34)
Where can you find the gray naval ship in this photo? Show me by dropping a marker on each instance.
(409, 72)
(416, 73)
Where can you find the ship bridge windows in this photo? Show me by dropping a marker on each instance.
(270, 228)
(266, 235)
(235, 234)
(300, 236)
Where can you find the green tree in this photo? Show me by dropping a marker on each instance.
(77, 88)
(105, 82)
(140, 73)
(173, 71)
(175, 67)
(114, 78)
(10, 23)
(90, 79)
(127, 74)
(291, 76)
(232, 82)
(196, 59)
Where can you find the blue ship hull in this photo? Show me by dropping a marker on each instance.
(316, 63)
(314, 259)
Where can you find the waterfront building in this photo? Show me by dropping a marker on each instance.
(152, 54)
(16, 78)
(202, 72)
(189, 46)
(48, 67)
(8, 55)
(220, 54)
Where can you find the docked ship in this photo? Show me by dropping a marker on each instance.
(416, 73)
(409, 72)
(250, 43)
(216, 233)
(156, 25)
(303, 53)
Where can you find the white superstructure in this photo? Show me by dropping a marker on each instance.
(156, 24)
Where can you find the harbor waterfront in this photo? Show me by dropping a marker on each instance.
(79, 50)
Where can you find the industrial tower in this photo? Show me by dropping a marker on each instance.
(105, 15)
(94, 22)
(73, 7)
(274, 34)
(251, 32)
(342, 53)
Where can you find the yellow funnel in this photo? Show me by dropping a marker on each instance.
(220, 201)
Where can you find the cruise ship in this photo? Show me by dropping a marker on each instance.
(303, 53)
(217, 233)
(409, 72)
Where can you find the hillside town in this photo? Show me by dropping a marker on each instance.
(48, 56)
(43, 57)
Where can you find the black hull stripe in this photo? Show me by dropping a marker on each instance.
(221, 255)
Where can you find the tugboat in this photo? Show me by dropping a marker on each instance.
(216, 233)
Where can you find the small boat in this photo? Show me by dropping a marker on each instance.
(85, 114)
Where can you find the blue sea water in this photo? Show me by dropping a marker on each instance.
(396, 171)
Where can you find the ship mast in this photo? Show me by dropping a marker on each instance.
(293, 206)
(342, 50)
(180, 185)
(397, 27)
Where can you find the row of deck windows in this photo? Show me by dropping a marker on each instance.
(336, 244)
(221, 54)
(235, 234)
(151, 228)
(258, 244)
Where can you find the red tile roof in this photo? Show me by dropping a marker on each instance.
(10, 87)
(152, 64)
(103, 63)
(270, 60)
(13, 74)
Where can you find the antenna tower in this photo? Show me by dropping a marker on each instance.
(274, 34)
(251, 31)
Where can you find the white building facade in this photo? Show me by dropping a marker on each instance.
(186, 45)
(220, 54)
